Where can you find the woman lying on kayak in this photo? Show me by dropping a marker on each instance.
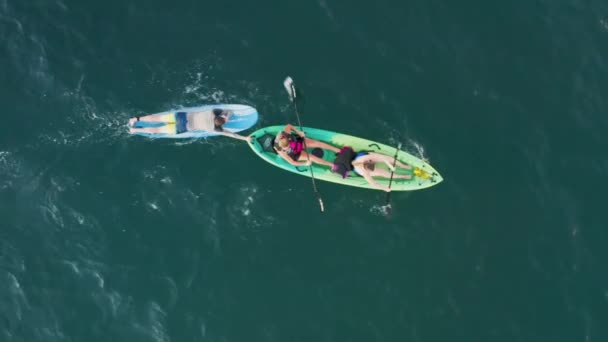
(364, 165)
(180, 122)
(289, 144)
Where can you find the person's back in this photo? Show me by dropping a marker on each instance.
(209, 121)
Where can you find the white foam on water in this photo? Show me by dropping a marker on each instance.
(52, 214)
(115, 301)
(13, 297)
(152, 325)
(73, 266)
(10, 169)
(11, 259)
(248, 215)
(419, 150)
(62, 5)
(173, 292)
(326, 10)
(379, 209)
(193, 274)
(98, 279)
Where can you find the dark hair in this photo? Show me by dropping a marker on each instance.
(219, 121)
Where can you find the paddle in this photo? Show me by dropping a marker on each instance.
(388, 194)
(291, 90)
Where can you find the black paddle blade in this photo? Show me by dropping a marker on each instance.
(388, 209)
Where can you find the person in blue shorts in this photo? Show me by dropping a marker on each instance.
(180, 122)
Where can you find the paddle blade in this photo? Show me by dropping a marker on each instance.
(291, 90)
(388, 210)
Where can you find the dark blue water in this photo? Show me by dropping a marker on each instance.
(106, 236)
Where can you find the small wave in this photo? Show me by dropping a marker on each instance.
(379, 209)
(16, 300)
(173, 292)
(11, 258)
(87, 272)
(153, 324)
(156, 322)
(164, 193)
(201, 87)
(195, 261)
(419, 150)
(116, 302)
(10, 167)
(247, 213)
(326, 10)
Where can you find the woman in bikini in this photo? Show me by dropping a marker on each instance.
(364, 165)
(290, 143)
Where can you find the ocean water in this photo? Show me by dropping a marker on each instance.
(106, 236)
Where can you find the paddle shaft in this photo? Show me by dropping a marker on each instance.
(312, 174)
(388, 194)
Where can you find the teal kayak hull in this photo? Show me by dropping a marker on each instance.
(422, 174)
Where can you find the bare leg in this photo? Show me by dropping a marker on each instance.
(387, 174)
(167, 118)
(405, 166)
(167, 129)
(304, 156)
(155, 118)
(315, 143)
(377, 157)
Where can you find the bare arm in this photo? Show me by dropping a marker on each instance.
(373, 182)
(233, 135)
(290, 127)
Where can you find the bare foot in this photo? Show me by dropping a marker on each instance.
(405, 166)
(132, 122)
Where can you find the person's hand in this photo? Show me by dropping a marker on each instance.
(250, 138)
(387, 190)
(302, 134)
(308, 162)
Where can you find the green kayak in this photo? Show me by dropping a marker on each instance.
(423, 174)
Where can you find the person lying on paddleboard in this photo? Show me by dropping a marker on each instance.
(364, 165)
(289, 144)
(180, 122)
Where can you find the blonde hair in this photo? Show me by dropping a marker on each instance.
(283, 142)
